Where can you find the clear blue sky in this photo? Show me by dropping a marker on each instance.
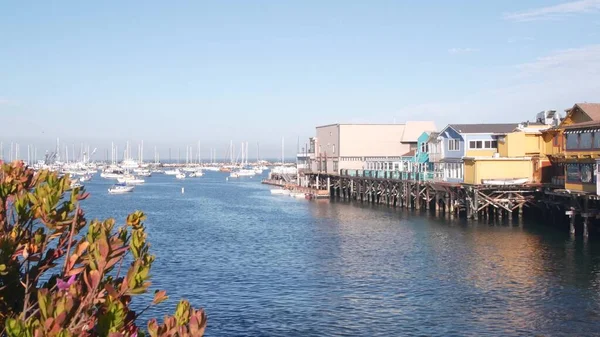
(172, 73)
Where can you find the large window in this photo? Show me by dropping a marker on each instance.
(423, 147)
(585, 140)
(572, 141)
(596, 140)
(483, 144)
(453, 145)
(581, 173)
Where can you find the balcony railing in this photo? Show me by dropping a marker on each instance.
(394, 175)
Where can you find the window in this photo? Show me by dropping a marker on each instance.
(572, 141)
(585, 140)
(335, 166)
(555, 140)
(475, 144)
(581, 173)
(423, 147)
(483, 144)
(333, 148)
(596, 140)
(453, 145)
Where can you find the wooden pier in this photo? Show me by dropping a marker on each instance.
(477, 202)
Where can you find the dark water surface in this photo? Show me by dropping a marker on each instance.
(264, 265)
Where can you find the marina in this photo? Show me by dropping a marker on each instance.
(306, 258)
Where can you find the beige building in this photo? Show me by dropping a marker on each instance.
(348, 146)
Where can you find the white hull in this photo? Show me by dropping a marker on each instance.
(131, 181)
(109, 175)
(172, 172)
(180, 176)
(196, 174)
(211, 168)
(280, 192)
(503, 182)
(120, 189)
(298, 195)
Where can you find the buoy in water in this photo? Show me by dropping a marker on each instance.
(227, 179)
(182, 190)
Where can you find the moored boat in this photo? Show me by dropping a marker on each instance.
(180, 175)
(196, 174)
(172, 172)
(503, 182)
(120, 189)
(130, 180)
(280, 191)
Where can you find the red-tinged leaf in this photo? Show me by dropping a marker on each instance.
(111, 291)
(95, 278)
(75, 271)
(160, 296)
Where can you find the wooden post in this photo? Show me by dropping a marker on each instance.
(572, 221)
(475, 204)
(585, 216)
(447, 205)
(417, 196)
(428, 206)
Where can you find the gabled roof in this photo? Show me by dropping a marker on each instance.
(433, 137)
(484, 128)
(590, 109)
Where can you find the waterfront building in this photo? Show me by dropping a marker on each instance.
(577, 163)
(358, 146)
(434, 154)
(520, 157)
(458, 141)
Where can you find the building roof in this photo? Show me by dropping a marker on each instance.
(410, 153)
(414, 130)
(583, 125)
(590, 109)
(484, 128)
(433, 137)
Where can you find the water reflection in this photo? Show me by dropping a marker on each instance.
(266, 265)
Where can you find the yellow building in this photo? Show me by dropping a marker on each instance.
(521, 158)
(581, 130)
(490, 170)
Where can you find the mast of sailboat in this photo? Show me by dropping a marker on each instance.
(282, 150)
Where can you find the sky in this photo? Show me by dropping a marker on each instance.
(173, 73)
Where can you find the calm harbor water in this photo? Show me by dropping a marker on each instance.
(264, 265)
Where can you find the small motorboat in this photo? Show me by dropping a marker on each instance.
(76, 184)
(130, 180)
(120, 189)
(144, 173)
(172, 172)
(234, 174)
(196, 174)
(180, 175)
(298, 195)
(280, 191)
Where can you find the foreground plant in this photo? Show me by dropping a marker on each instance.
(56, 280)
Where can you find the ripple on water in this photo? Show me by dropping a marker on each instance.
(264, 265)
